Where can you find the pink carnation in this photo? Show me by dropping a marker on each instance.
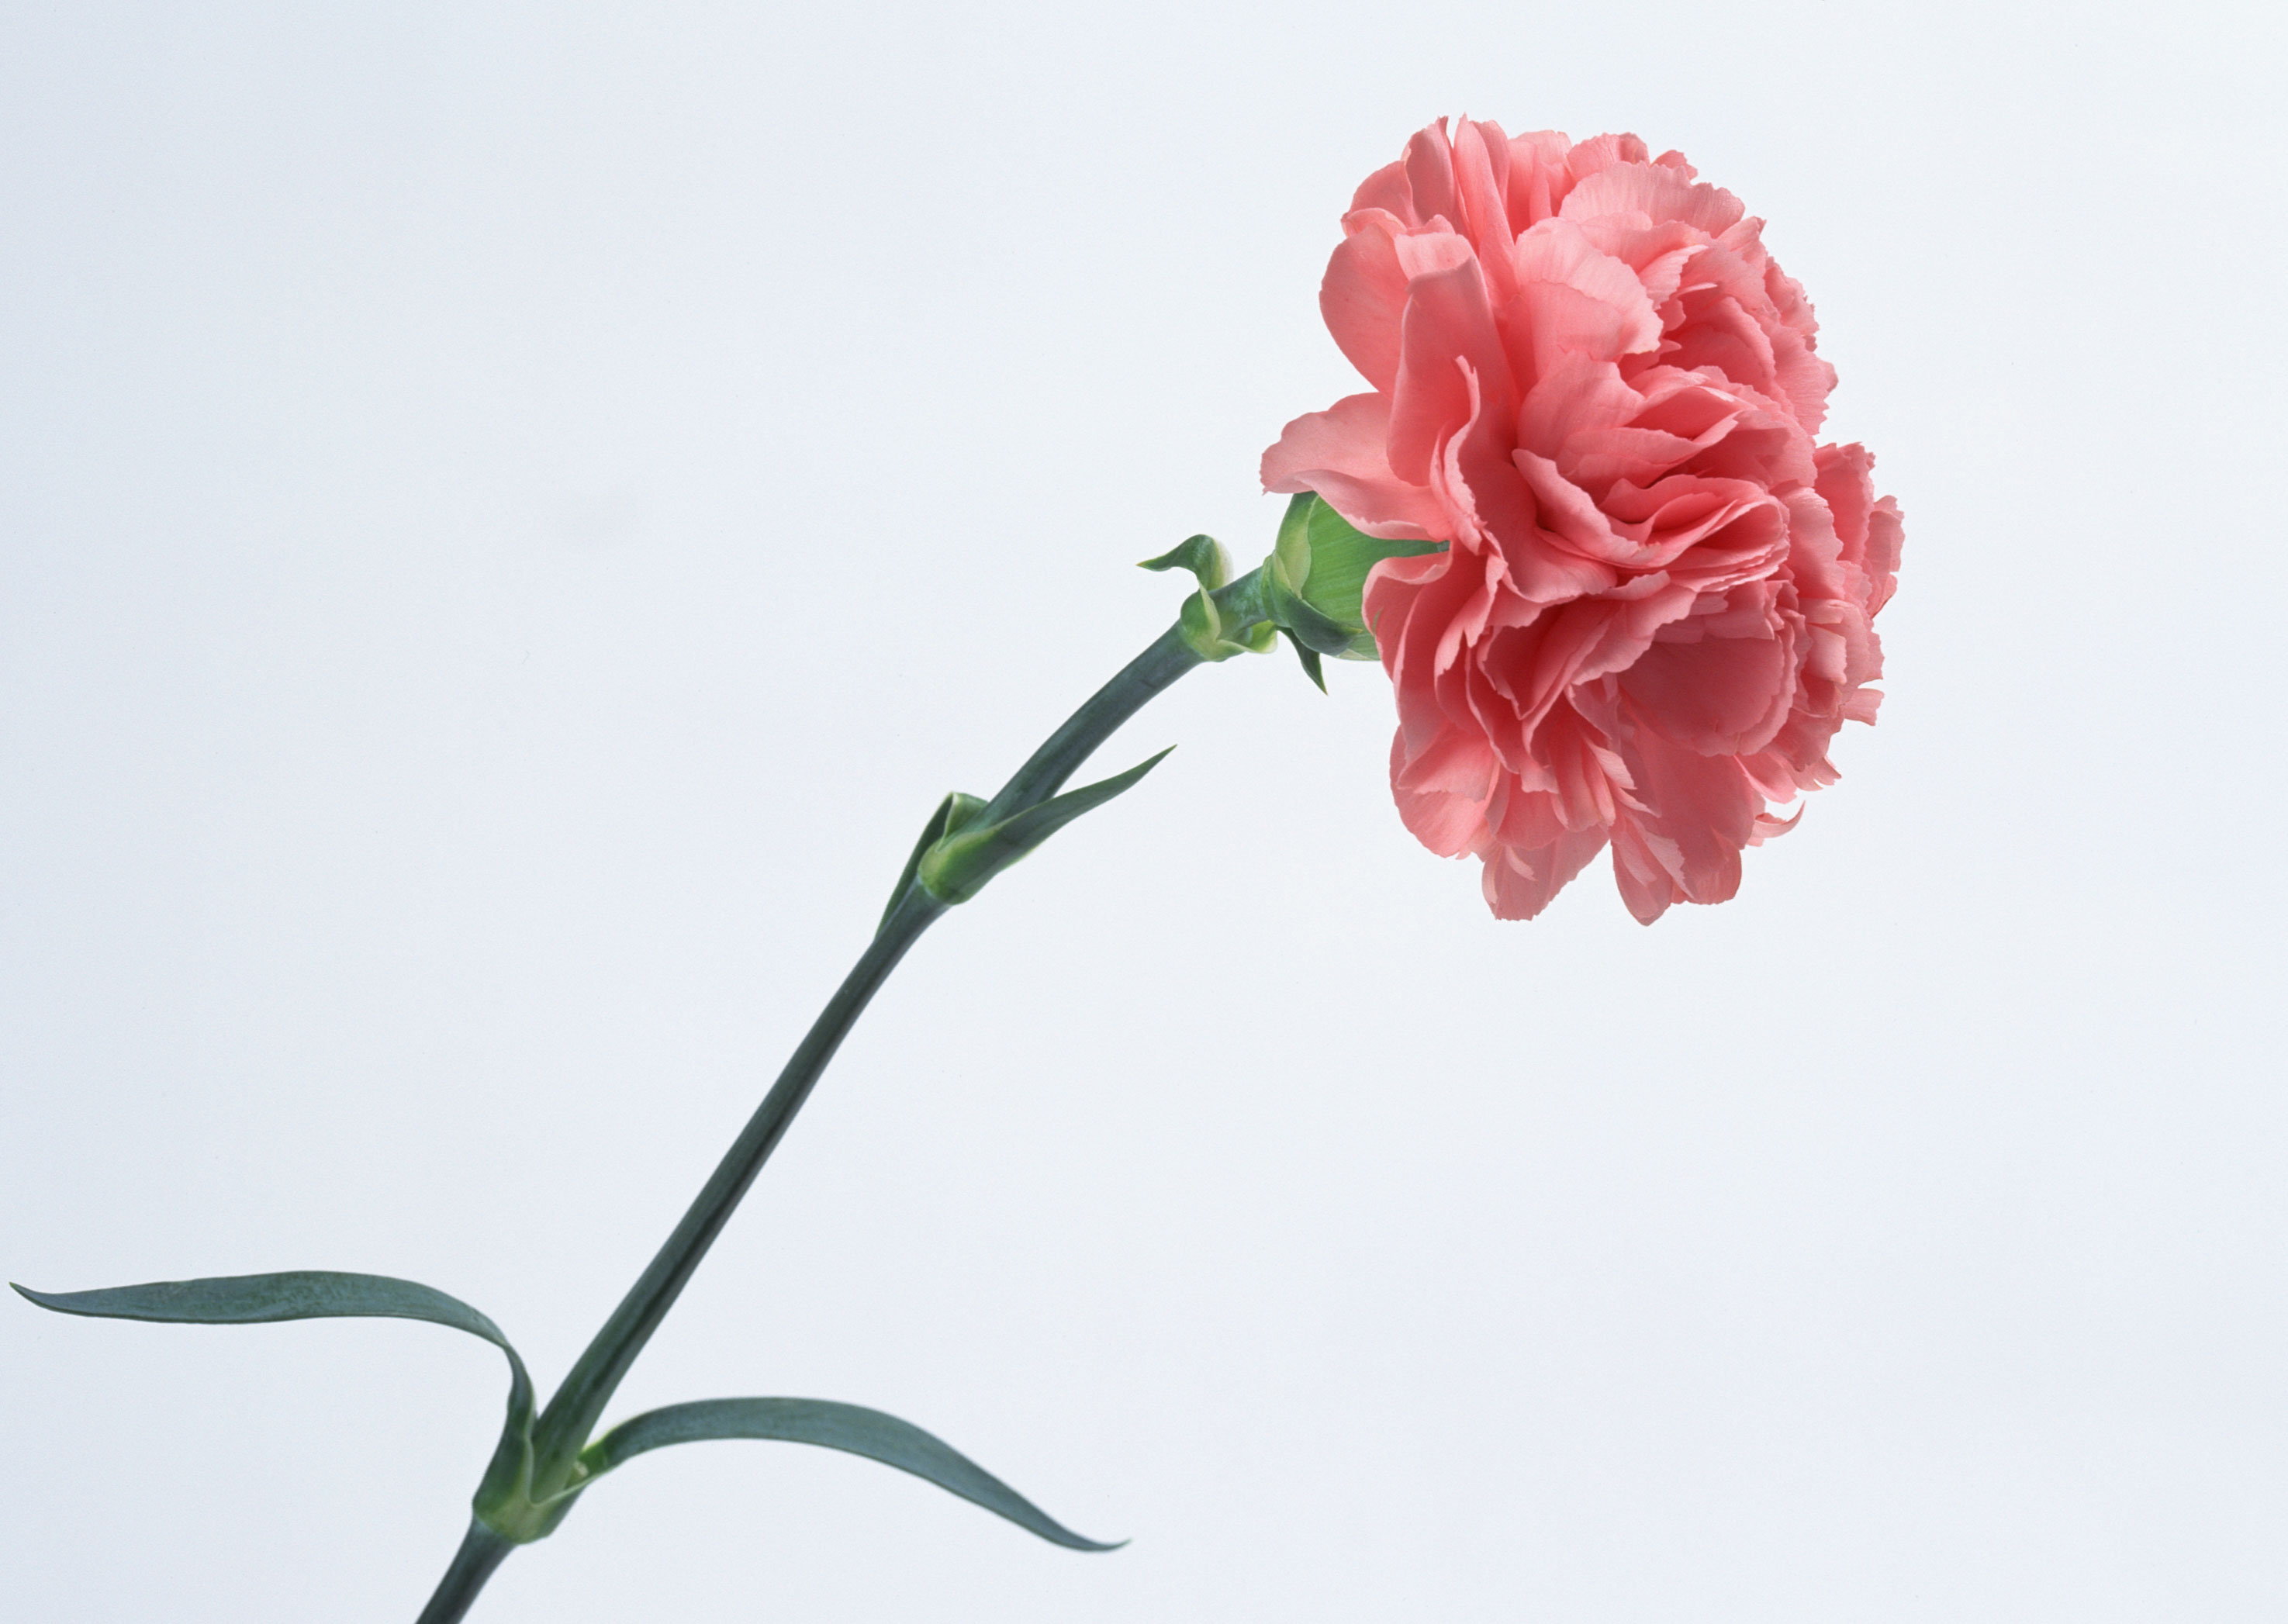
(1590, 380)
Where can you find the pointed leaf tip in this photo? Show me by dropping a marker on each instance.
(1310, 658)
(850, 1427)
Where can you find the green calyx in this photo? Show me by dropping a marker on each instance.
(1308, 590)
(1316, 575)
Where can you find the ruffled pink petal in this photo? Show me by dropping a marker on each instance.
(1704, 811)
(1602, 152)
(1340, 454)
(1481, 164)
(1363, 296)
(1868, 530)
(1387, 190)
(1520, 883)
(1654, 194)
(1579, 394)
(1487, 502)
(1591, 786)
(1642, 872)
(1441, 791)
(1716, 695)
(1538, 178)
(1447, 319)
(1886, 533)
(1573, 299)
(1430, 176)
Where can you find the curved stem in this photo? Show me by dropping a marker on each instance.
(571, 1415)
(481, 1551)
(563, 1428)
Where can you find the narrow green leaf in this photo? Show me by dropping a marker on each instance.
(845, 1427)
(1029, 828)
(315, 1294)
(1202, 555)
(260, 1299)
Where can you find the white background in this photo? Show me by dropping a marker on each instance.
(510, 518)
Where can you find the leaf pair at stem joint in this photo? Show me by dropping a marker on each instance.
(505, 1501)
(963, 846)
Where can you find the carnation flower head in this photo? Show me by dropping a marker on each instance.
(1654, 607)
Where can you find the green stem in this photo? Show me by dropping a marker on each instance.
(481, 1551)
(563, 1428)
(1142, 679)
(571, 1415)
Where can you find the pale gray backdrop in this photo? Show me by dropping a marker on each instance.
(511, 516)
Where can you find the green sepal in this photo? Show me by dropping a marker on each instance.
(1290, 563)
(847, 1427)
(1202, 555)
(961, 862)
(326, 1293)
(1293, 614)
(1310, 659)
